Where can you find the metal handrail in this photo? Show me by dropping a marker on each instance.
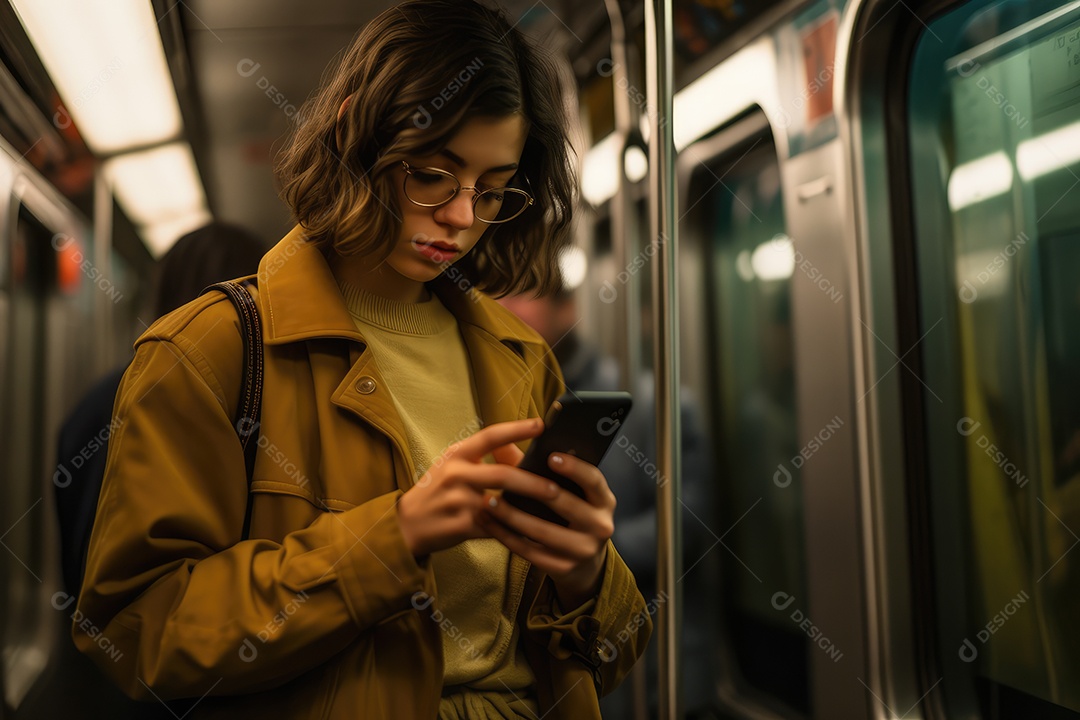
(659, 76)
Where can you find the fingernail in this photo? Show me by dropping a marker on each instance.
(557, 459)
(493, 501)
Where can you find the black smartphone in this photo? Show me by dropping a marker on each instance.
(582, 424)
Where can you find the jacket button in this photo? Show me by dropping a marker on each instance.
(366, 385)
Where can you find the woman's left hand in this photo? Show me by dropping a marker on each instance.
(572, 556)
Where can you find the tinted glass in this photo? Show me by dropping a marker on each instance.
(995, 135)
(759, 519)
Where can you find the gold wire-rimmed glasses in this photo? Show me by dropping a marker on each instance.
(432, 187)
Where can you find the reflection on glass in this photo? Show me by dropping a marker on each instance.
(752, 263)
(1002, 107)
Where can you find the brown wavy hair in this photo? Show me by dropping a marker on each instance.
(415, 75)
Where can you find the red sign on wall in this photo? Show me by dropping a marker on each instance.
(819, 65)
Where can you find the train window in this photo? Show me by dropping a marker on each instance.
(24, 452)
(738, 202)
(994, 132)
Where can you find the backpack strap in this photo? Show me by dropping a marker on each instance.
(249, 410)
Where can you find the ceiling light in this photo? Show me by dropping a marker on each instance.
(108, 64)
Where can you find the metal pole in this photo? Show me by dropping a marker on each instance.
(665, 346)
(624, 234)
(627, 245)
(104, 317)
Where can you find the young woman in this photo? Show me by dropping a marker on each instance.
(382, 577)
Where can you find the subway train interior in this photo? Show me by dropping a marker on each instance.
(863, 290)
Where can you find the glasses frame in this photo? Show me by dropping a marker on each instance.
(409, 170)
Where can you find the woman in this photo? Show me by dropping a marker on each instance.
(382, 576)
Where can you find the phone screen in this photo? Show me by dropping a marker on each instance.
(583, 424)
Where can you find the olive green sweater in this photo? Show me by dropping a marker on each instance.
(422, 358)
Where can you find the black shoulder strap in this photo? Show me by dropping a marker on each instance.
(250, 408)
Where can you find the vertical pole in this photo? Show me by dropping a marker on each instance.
(624, 236)
(104, 315)
(626, 245)
(665, 346)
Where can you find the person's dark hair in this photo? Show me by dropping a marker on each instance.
(415, 75)
(215, 252)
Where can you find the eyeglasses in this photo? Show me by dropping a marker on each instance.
(432, 187)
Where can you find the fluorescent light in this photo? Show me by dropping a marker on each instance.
(744, 267)
(775, 259)
(600, 171)
(573, 264)
(1048, 152)
(108, 64)
(979, 180)
(157, 186)
(719, 94)
(635, 163)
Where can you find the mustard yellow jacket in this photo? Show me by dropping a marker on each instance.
(323, 612)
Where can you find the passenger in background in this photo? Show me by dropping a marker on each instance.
(631, 466)
(215, 252)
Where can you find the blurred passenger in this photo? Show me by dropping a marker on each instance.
(382, 576)
(213, 253)
(631, 466)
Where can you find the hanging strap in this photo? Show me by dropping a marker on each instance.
(249, 410)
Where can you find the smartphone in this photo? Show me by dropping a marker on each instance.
(582, 424)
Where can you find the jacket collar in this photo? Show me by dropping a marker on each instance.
(301, 300)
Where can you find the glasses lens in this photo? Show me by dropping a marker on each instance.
(429, 188)
(500, 204)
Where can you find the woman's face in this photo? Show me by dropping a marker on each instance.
(483, 154)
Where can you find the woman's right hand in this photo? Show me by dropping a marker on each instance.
(440, 510)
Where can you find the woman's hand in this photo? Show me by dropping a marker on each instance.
(441, 509)
(572, 556)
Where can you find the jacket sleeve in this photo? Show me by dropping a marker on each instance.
(607, 633)
(174, 604)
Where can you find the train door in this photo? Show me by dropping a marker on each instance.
(47, 333)
(984, 122)
(766, 305)
(996, 177)
(736, 222)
